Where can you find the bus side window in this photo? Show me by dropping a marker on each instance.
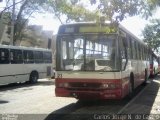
(130, 51)
(148, 55)
(4, 56)
(145, 54)
(25, 56)
(47, 56)
(138, 51)
(16, 56)
(38, 57)
(142, 53)
(28, 56)
(123, 46)
(135, 56)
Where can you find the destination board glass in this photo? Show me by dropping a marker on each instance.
(97, 29)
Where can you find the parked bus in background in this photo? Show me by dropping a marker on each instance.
(20, 64)
(154, 65)
(99, 61)
(158, 58)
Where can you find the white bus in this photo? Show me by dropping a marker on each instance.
(20, 64)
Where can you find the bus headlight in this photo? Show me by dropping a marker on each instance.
(104, 85)
(109, 86)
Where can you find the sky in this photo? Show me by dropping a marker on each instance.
(134, 24)
(48, 21)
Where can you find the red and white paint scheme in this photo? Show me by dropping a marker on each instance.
(96, 61)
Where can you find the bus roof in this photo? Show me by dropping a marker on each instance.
(131, 34)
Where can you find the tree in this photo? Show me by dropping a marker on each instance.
(76, 10)
(117, 10)
(24, 10)
(113, 10)
(151, 34)
(71, 10)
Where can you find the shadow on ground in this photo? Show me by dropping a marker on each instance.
(88, 109)
(147, 101)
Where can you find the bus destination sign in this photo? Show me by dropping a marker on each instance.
(97, 29)
(74, 29)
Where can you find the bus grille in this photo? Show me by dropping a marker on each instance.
(84, 89)
(85, 85)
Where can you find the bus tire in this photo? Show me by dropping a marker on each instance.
(33, 77)
(131, 85)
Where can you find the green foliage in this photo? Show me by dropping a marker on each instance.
(76, 10)
(113, 10)
(151, 34)
(24, 10)
(72, 10)
(27, 8)
(153, 3)
(117, 10)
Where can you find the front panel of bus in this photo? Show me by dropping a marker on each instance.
(89, 65)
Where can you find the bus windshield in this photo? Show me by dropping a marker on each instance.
(91, 52)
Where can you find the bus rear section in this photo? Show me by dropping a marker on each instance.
(154, 65)
(89, 85)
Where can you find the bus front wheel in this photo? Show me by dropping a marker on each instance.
(33, 77)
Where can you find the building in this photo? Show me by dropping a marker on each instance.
(4, 22)
(35, 36)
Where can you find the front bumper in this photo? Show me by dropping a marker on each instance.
(89, 94)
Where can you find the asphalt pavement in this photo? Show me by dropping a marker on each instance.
(146, 106)
(38, 102)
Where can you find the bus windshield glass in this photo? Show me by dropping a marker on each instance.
(91, 52)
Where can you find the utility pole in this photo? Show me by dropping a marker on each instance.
(12, 23)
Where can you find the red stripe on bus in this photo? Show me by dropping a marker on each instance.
(87, 80)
